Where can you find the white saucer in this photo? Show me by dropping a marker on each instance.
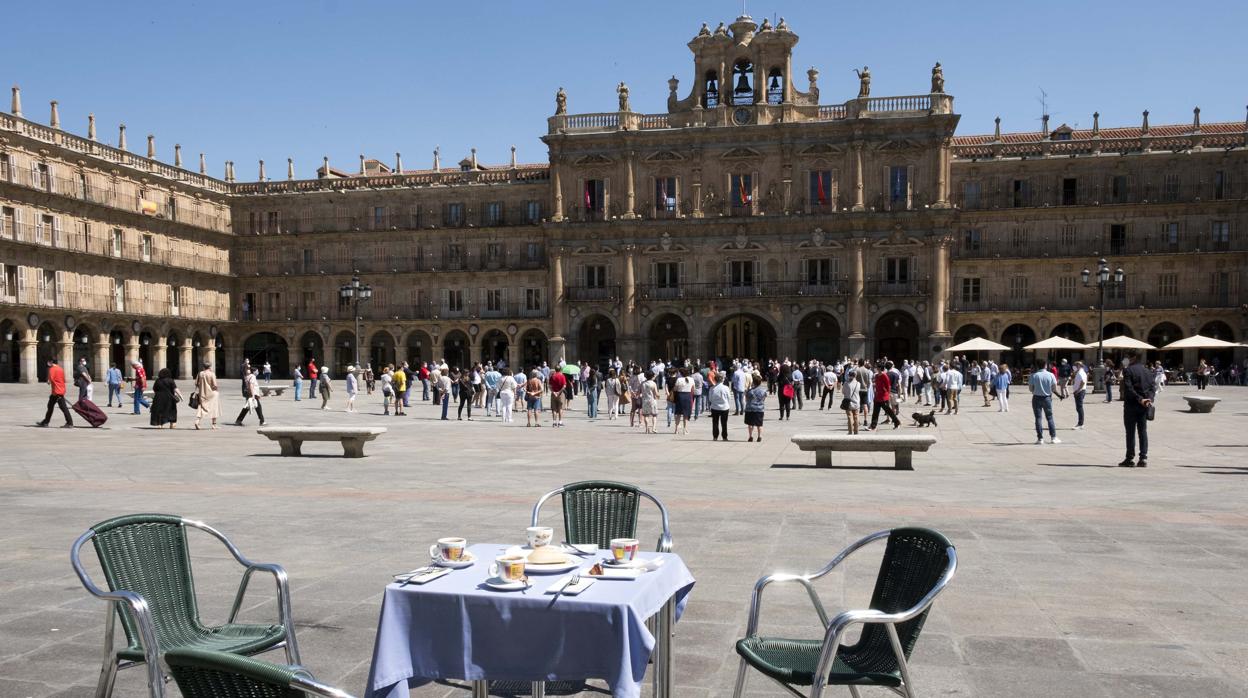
(466, 561)
(635, 562)
(503, 585)
(552, 568)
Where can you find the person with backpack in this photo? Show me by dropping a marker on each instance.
(251, 398)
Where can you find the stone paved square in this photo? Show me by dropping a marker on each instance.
(1076, 577)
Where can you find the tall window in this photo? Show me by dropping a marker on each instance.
(454, 215)
(970, 194)
(274, 219)
(1117, 238)
(175, 300)
(1019, 290)
(1170, 188)
(492, 214)
(1220, 231)
(821, 188)
(1170, 234)
(742, 191)
(117, 242)
(898, 185)
(119, 295)
(494, 300)
(309, 261)
(595, 196)
(1068, 236)
(1219, 184)
(533, 300)
(8, 282)
(897, 270)
(8, 222)
(1167, 285)
(146, 249)
(6, 167)
(455, 300)
(1066, 287)
(1118, 189)
(971, 290)
(379, 217)
(43, 177)
(1018, 238)
(532, 211)
(741, 273)
(819, 271)
(1020, 193)
(454, 255)
(44, 233)
(1070, 191)
(667, 274)
(533, 252)
(665, 196)
(595, 276)
(1117, 290)
(971, 240)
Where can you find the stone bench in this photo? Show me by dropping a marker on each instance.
(267, 390)
(1199, 403)
(901, 445)
(352, 438)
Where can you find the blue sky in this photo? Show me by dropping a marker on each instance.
(273, 79)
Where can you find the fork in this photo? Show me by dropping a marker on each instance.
(576, 579)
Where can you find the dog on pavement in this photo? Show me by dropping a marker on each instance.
(924, 420)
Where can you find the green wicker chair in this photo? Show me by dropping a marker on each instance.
(208, 674)
(595, 511)
(147, 566)
(918, 563)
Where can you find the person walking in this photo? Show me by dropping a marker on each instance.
(467, 394)
(953, 390)
(491, 379)
(883, 398)
(353, 388)
(786, 392)
(740, 383)
(423, 374)
(862, 376)
(324, 388)
(613, 391)
(1042, 383)
(207, 392)
(113, 378)
(851, 393)
(1109, 380)
(387, 389)
(409, 379)
(400, 389)
(140, 384)
(506, 394)
(1138, 393)
(1079, 389)
(82, 379)
(532, 396)
(649, 403)
(591, 384)
(444, 393)
(755, 406)
(1202, 375)
(311, 376)
(251, 396)
(682, 387)
(268, 372)
(165, 399)
(297, 376)
(1001, 387)
(558, 383)
(718, 402)
(56, 396)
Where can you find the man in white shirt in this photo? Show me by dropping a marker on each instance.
(1079, 388)
(829, 389)
(797, 378)
(740, 379)
(953, 389)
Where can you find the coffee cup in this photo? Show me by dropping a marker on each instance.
(624, 549)
(449, 549)
(509, 568)
(539, 535)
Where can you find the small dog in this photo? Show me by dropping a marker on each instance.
(924, 420)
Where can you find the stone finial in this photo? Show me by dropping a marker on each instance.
(673, 84)
(203, 164)
(16, 106)
(290, 168)
(151, 146)
(997, 131)
(361, 165)
(1096, 123)
(513, 157)
(262, 178)
(398, 163)
(121, 138)
(1196, 119)
(55, 120)
(177, 154)
(325, 167)
(1144, 126)
(437, 159)
(472, 158)
(90, 127)
(1044, 125)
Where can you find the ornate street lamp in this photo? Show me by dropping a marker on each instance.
(356, 292)
(1102, 282)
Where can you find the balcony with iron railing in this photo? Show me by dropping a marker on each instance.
(468, 310)
(1086, 299)
(1054, 247)
(768, 289)
(243, 225)
(47, 236)
(1049, 194)
(885, 287)
(50, 297)
(366, 263)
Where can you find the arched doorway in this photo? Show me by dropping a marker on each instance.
(494, 346)
(966, 333)
(743, 336)
(46, 350)
(1218, 358)
(145, 352)
(218, 342)
(173, 352)
(595, 341)
(897, 336)
(82, 350)
(380, 350)
(117, 351)
(197, 353)
(818, 337)
(1117, 329)
(1073, 332)
(533, 349)
(267, 347)
(1016, 337)
(313, 348)
(455, 349)
(419, 348)
(1162, 334)
(669, 338)
(344, 353)
(10, 352)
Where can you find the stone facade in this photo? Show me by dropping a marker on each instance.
(749, 219)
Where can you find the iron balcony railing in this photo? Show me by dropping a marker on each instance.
(1087, 300)
(768, 289)
(47, 236)
(469, 310)
(1159, 243)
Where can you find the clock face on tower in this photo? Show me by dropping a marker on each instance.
(741, 116)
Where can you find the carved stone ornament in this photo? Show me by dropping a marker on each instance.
(741, 241)
(817, 237)
(665, 242)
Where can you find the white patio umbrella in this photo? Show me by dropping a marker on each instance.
(1121, 342)
(1053, 343)
(978, 344)
(1198, 341)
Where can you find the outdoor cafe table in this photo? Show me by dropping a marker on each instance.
(455, 627)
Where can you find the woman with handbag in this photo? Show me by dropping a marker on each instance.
(205, 398)
(165, 399)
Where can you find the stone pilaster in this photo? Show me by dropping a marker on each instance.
(558, 308)
(859, 199)
(28, 349)
(557, 215)
(101, 358)
(185, 368)
(939, 304)
(858, 300)
(160, 347)
(630, 198)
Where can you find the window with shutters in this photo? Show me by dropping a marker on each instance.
(492, 214)
(667, 275)
(972, 240)
(146, 248)
(454, 256)
(897, 270)
(665, 197)
(1117, 290)
(453, 215)
(1067, 238)
(1220, 232)
(43, 177)
(532, 211)
(595, 276)
(971, 289)
(1020, 193)
(593, 198)
(533, 300)
(454, 301)
(8, 222)
(8, 283)
(6, 167)
(44, 233)
(1170, 187)
(119, 295)
(970, 195)
(820, 191)
(47, 287)
(1221, 288)
(1070, 191)
(309, 261)
(494, 301)
(308, 306)
(175, 302)
(1019, 288)
(1118, 189)
(1219, 185)
(1168, 285)
(741, 273)
(1170, 234)
(1018, 238)
(819, 272)
(1067, 287)
(533, 252)
(173, 207)
(84, 189)
(495, 254)
(1117, 238)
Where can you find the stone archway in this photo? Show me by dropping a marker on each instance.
(1016, 337)
(117, 350)
(1073, 332)
(966, 333)
(669, 338)
(344, 353)
(897, 336)
(199, 343)
(381, 350)
(312, 348)
(269, 347)
(146, 342)
(10, 352)
(418, 349)
(595, 340)
(455, 349)
(494, 346)
(83, 338)
(1117, 329)
(818, 337)
(743, 336)
(1159, 336)
(533, 348)
(173, 352)
(1218, 358)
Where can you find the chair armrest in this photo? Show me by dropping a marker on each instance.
(756, 599)
(313, 687)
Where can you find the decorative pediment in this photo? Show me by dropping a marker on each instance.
(594, 159)
(595, 249)
(741, 154)
(819, 240)
(663, 156)
(904, 144)
(898, 240)
(821, 149)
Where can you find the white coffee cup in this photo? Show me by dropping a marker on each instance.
(449, 549)
(509, 568)
(624, 549)
(539, 535)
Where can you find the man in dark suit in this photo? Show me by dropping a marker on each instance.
(1138, 391)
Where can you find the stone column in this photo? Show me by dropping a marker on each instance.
(233, 361)
(65, 352)
(28, 349)
(858, 301)
(558, 310)
(557, 216)
(942, 174)
(132, 355)
(294, 357)
(160, 346)
(209, 354)
(101, 358)
(513, 353)
(630, 199)
(185, 369)
(939, 302)
(630, 340)
(696, 189)
(859, 204)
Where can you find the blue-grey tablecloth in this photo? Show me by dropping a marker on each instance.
(457, 628)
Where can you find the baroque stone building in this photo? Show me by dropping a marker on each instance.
(748, 219)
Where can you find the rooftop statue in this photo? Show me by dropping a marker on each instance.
(938, 78)
(622, 90)
(561, 102)
(704, 31)
(864, 82)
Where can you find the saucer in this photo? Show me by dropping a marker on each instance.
(551, 567)
(466, 561)
(504, 585)
(635, 562)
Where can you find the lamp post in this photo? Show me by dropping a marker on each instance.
(1102, 281)
(356, 292)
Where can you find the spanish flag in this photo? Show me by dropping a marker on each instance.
(741, 193)
(148, 208)
(823, 198)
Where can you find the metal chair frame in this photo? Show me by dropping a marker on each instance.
(665, 539)
(141, 613)
(835, 628)
(311, 686)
